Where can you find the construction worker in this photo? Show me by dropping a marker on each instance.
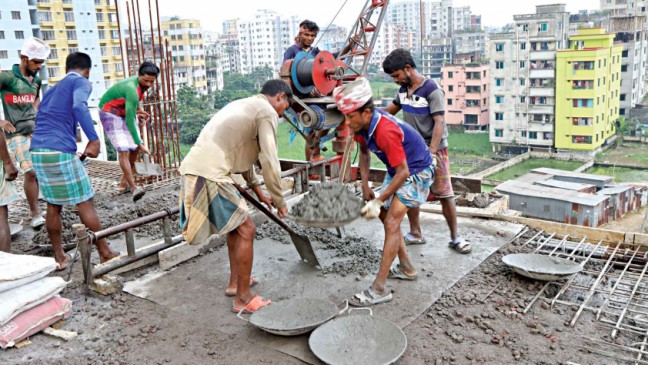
(119, 109)
(423, 103)
(20, 88)
(62, 176)
(410, 170)
(241, 133)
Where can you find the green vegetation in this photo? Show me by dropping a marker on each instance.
(383, 89)
(626, 154)
(194, 111)
(487, 188)
(621, 175)
(469, 143)
(528, 165)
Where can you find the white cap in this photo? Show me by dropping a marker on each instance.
(35, 49)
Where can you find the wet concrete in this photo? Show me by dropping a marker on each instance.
(196, 289)
(330, 202)
(294, 314)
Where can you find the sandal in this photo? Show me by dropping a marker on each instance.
(368, 298)
(230, 293)
(71, 259)
(410, 239)
(254, 305)
(396, 273)
(138, 193)
(37, 222)
(460, 246)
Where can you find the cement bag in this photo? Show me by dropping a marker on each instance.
(34, 320)
(18, 270)
(18, 300)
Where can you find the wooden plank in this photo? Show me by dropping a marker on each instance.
(62, 334)
(23, 343)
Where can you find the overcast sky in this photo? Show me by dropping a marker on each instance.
(212, 13)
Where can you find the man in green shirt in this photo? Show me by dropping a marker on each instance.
(119, 107)
(19, 89)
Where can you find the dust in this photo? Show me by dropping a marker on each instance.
(328, 202)
(350, 254)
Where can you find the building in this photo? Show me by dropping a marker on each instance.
(187, 45)
(470, 43)
(625, 7)
(264, 39)
(466, 90)
(523, 64)
(436, 23)
(88, 26)
(18, 21)
(391, 37)
(213, 53)
(436, 53)
(588, 83)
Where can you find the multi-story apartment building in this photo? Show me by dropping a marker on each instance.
(230, 57)
(88, 26)
(436, 53)
(187, 45)
(625, 7)
(588, 84)
(263, 39)
(18, 21)
(437, 18)
(467, 90)
(466, 42)
(391, 37)
(523, 67)
(461, 18)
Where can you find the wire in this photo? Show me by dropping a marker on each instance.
(328, 27)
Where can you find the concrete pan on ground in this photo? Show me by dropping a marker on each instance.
(541, 267)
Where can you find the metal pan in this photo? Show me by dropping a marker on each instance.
(542, 267)
(15, 228)
(322, 223)
(353, 340)
(295, 316)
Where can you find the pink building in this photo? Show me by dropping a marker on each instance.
(467, 94)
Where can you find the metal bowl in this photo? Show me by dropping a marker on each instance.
(322, 223)
(15, 228)
(358, 339)
(541, 267)
(294, 316)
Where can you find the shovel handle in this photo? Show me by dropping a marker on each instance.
(263, 208)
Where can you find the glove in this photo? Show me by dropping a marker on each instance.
(372, 209)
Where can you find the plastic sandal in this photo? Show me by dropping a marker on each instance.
(368, 298)
(410, 239)
(396, 273)
(254, 305)
(253, 281)
(461, 246)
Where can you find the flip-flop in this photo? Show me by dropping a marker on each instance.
(254, 305)
(461, 246)
(396, 273)
(410, 239)
(37, 222)
(77, 255)
(253, 281)
(368, 298)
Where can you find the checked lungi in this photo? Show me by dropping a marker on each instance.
(117, 131)
(62, 178)
(208, 207)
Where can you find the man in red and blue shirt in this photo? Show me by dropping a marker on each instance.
(410, 170)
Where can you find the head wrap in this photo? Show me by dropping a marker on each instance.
(351, 96)
(35, 49)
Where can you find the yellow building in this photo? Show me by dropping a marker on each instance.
(588, 81)
(88, 26)
(187, 46)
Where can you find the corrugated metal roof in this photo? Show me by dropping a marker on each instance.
(556, 172)
(545, 192)
(615, 189)
(564, 185)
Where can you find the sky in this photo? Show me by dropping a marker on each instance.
(212, 13)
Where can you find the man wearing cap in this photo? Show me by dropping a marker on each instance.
(20, 88)
(410, 170)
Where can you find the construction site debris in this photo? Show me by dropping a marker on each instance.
(330, 202)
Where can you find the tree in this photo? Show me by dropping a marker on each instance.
(194, 111)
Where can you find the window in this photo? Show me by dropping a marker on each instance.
(624, 53)
(69, 16)
(525, 27)
(498, 82)
(522, 82)
(582, 84)
(450, 88)
(522, 99)
(2, 34)
(499, 99)
(499, 47)
(533, 135)
(582, 139)
(499, 65)
(20, 34)
(450, 74)
(71, 34)
(47, 35)
(623, 97)
(484, 88)
(499, 133)
(523, 134)
(542, 27)
(449, 101)
(499, 116)
(579, 121)
(100, 17)
(15, 15)
(4, 55)
(523, 45)
(583, 65)
(522, 64)
(53, 54)
(44, 16)
(582, 103)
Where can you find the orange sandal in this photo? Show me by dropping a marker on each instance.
(254, 305)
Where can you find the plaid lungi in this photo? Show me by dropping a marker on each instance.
(62, 179)
(208, 207)
(414, 190)
(117, 131)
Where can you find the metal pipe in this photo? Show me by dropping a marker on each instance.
(130, 242)
(121, 45)
(83, 242)
(139, 254)
(135, 223)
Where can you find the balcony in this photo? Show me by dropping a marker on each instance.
(542, 73)
(541, 108)
(541, 91)
(542, 55)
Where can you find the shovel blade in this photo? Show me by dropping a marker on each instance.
(148, 169)
(304, 248)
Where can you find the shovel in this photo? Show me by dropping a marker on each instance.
(147, 168)
(301, 242)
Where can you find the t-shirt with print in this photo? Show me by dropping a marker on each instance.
(18, 97)
(418, 110)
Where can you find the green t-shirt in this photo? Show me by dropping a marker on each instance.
(18, 97)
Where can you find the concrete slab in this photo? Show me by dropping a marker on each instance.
(197, 288)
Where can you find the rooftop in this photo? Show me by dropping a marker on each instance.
(545, 192)
(578, 175)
